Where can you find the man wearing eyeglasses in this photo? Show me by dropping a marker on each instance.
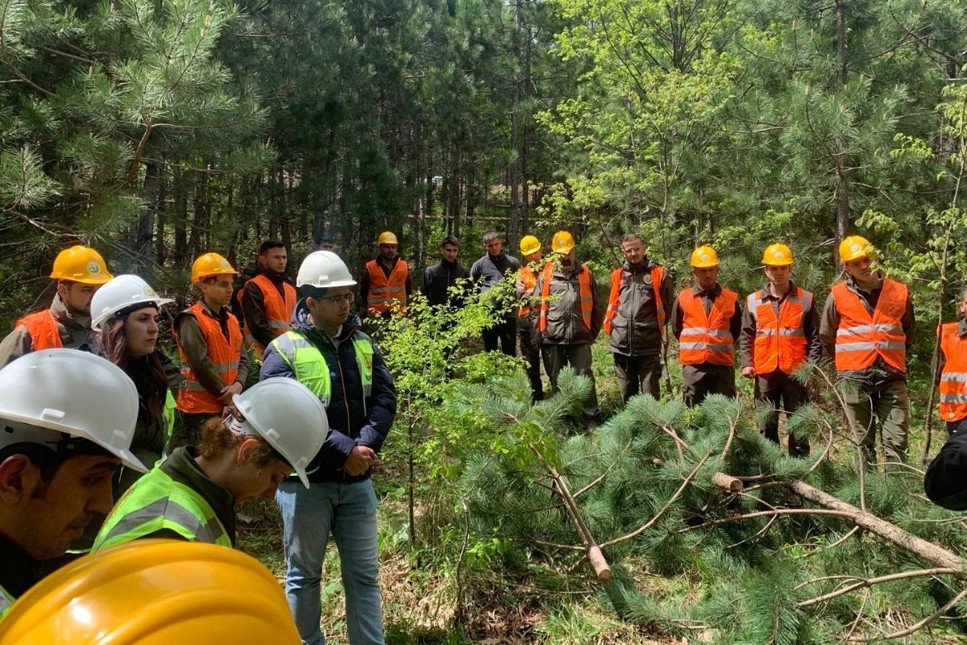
(327, 352)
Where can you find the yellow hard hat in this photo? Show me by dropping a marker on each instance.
(562, 243)
(704, 257)
(530, 244)
(210, 264)
(154, 592)
(854, 247)
(777, 255)
(80, 264)
(387, 237)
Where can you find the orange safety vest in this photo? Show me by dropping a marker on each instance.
(584, 289)
(277, 310)
(224, 353)
(43, 330)
(386, 294)
(657, 275)
(529, 281)
(953, 379)
(707, 338)
(862, 337)
(780, 341)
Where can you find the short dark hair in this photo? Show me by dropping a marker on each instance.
(449, 239)
(270, 244)
(323, 238)
(631, 236)
(490, 236)
(49, 458)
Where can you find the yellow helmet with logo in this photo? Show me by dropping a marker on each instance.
(154, 592)
(210, 264)
(562, 243)
(854, 247)
(80, 264)
(777, 255)
(529, 244)
(386, 237)
(704, 257)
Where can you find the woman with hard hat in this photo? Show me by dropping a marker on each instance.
(277, 427)
(125, 313)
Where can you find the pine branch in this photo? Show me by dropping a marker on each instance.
(918, 626)
(869, 582)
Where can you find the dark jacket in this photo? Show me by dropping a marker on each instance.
(19, 572)
(879, 372)
(353, 419)
(634, 328)
(565, 321)
(946, 480)
(488, 271)
(438, 279)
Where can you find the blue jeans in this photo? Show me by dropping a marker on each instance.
(349, 512)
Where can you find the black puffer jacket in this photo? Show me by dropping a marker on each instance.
(353, 419)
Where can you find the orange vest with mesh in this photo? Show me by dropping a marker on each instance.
(861, 337)
(657, 275)
(707, 338)
(43, 330)
(780, 341)
(277, 310)
(584, 290)
(386, 294)
(953, 379)
(224, 353)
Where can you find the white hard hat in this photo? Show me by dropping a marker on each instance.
(58, 392)
(324, 269)
(288, 415)
(123, 292)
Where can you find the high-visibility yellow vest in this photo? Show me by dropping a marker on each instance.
(310, 368)
(157, 502)
(6, 601)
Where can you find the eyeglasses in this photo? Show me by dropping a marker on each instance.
(345, 297)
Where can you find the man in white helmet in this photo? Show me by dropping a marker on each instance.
(326, 351)
(66, 422)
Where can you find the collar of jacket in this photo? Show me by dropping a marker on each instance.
(66, 317)
(306, 327)
(221, 315)
(962, 327)
(714, 291)
(767, 292)
(854, 286)
(274, 276)
(647, 264)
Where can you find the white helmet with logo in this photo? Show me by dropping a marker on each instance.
(288, 415)
(324, 269)
(52, 395)
(123, 292)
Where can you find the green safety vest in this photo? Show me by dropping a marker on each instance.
(156, 502)
(6, 601)
(310, 368)
(168, 414)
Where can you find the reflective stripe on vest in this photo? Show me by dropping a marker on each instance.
(278, 312)
(862, 337)
(43, 329)
(953, 379)
(6, 602)
(657, 275)
(157, 502)
(780, 341)
(386, 293)
(224, 354)
(584, 292)
(528, 280)
(310, 367)
(707, 338)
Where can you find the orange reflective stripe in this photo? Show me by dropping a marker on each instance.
(953, 379)
(780, 341)
(657, 276)
(386, 293)
(862, 337)
(225, 354)
(707, 338)
(43, 330)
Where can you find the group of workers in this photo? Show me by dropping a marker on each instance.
(95, 445)
(95, 452)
